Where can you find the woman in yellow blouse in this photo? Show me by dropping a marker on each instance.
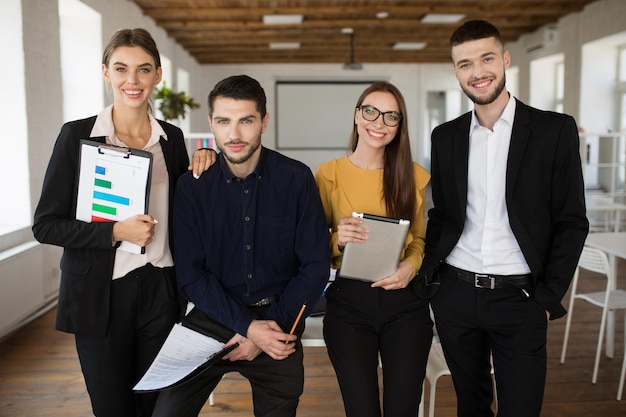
(364, 320)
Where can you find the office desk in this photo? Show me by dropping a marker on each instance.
(611, 210)
(614, 245)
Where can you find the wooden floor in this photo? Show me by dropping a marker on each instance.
(40, 376)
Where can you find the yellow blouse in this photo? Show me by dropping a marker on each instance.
(345, 188)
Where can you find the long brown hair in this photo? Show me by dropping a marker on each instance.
(399, 189)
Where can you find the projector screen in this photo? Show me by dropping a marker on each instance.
(316, 114)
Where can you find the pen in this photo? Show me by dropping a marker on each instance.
(295, 323)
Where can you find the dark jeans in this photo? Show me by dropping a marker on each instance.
(144, 307)
(362, 323)
(474, 322)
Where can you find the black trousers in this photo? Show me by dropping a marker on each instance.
(144, 307)
(276, 387)
(362, 323)
(474, 322)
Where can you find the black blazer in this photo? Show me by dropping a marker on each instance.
(88, 254)
(544, 198)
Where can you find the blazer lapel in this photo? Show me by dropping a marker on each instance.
(520, 134)
(460, 154)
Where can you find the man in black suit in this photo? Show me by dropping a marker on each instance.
(505, 233)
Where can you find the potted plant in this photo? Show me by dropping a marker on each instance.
(173, 105)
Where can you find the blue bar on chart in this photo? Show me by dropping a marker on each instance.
(101, 170)
(111, 198)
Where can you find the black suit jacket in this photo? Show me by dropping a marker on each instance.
(544, 198)
(88, 254)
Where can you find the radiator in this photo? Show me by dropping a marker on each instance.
(25, 287)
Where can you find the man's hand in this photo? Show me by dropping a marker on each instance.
(201, 160)
(270, 338)
(246, 351)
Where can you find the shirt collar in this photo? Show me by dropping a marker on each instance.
(104, 127)
(508, 114)
(257, 172)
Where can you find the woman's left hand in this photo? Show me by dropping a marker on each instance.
(201, 160)
(399, 280)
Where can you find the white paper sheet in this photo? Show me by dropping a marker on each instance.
(183, 352)
(113, 185)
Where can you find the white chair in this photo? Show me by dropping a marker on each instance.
(595, 260)
(313, 332)
(437, 367)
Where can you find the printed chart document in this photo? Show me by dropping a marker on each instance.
(113, 185)
(184, 355)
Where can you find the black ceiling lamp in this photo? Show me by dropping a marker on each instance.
(351, 65)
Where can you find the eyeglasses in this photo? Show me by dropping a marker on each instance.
(371, 113)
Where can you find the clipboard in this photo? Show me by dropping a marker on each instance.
(113, 184)
(377, 257)
(185, 354)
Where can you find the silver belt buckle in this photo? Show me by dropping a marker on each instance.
(477, 284)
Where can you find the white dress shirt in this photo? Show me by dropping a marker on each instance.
(487, 244)
(158, 251)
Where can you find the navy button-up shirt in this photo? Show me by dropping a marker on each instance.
(239, 240)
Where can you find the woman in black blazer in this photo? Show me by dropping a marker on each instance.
(119, 305)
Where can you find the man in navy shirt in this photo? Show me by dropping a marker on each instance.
(251, 246)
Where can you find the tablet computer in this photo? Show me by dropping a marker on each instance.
(377, 257)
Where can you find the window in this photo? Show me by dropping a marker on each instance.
(15, 210)
(80, 28)
(166, 66)
(621, 87)
(182, 84)
(602, 114)
(559, 85)
(512, 80)
(547, 82)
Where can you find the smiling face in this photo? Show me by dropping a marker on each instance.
(238, 126)
(376, 134)
(133, 75)
(479, 67)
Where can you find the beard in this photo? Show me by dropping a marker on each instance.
(244, 158)
(491, 97)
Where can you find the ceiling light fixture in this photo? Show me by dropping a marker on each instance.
(284, 45)
(409, 46)
(442, 18)
(282, 19)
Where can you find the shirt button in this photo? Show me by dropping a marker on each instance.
(249, 276)
(247, 247)
(246, 191)
(247, 218)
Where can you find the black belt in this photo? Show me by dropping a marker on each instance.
(265, 301)
(486, 280)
